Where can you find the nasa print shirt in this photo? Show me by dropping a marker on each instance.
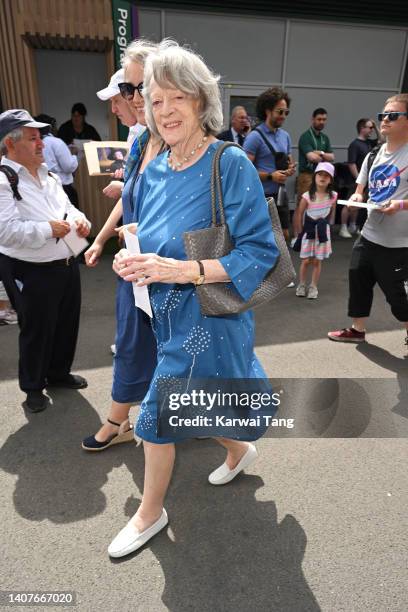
(388, 180)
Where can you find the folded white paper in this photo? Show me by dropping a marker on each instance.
(141, 294)
(359, 204)
(74, 242)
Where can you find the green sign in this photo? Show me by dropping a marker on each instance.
(122, 33)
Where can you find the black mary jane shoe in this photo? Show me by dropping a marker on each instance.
(91, 444)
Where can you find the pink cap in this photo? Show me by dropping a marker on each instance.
(325, 167)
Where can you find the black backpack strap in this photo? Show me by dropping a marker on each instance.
(268, 144)
(12, 178)
(371, 158)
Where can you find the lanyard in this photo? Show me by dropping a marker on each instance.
(315, 141)
(136, 170)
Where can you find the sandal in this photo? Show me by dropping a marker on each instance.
(91, 444)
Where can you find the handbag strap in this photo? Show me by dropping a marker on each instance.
(216, 185)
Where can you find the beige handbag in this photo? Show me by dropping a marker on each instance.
(219, 299)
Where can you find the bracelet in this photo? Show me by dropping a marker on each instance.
(401, 204)
(201, 277)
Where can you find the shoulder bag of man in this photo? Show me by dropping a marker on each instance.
(281, 158)
(7, 263)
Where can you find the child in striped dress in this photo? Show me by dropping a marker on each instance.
(318, 206)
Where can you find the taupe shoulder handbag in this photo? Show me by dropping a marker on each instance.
(219, 299)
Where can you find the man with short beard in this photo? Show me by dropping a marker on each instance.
(269, 147)
(314, 147)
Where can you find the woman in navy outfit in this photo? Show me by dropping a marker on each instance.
(135, 358)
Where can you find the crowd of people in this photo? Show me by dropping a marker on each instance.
(171, 102)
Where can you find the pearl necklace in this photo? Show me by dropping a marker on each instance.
(175, 165)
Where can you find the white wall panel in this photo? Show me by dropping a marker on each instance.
(243, 49)
(150, 24)
(66, 77)
(344, 109)
(344, 56)
(348, 69)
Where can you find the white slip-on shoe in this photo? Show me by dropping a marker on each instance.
(312, 293)
(344, 233)
(301, 290)
(223, 474)
(130, 539)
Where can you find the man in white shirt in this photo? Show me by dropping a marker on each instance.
(35, 216)
(58, 157)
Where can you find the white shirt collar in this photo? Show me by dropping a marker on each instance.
(42, 170)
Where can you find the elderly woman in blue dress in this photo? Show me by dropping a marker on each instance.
(183, 106)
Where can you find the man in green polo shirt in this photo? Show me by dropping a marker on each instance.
(314, 147)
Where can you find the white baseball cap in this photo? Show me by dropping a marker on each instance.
(112, 89)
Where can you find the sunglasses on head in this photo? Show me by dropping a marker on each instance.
(283, 111)
(391, 116)
(127, 90)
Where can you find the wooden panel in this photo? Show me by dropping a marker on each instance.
(5, 55)
(80, 25)
(77, 19)
(17, 73)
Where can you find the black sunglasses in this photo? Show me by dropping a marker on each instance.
(127, 90)
(282, 111)
(391, 116)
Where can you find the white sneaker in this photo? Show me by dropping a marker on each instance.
(130, 539)
(312, 293)
(223, 474)
(291, 284)
(113, 349)
(8, 317)
(301, 290)
(344, 233)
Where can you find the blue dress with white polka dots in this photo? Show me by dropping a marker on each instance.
(190, 345)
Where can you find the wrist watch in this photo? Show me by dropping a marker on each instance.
(322, 153)
(269, 176)
(201, 277)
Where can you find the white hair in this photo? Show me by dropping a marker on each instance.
(175, 66)
(137, 51)
(15, 135)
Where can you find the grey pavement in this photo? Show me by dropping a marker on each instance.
(318, 523)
